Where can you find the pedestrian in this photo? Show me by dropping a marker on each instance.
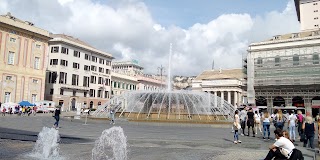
(300, 122)
(56, 117)
(4, 111)
(23, 111)
(112, 112)
(250, 122)
(273, 116)
(34, 110)
(318, 123)
(266, 119)
(280, 119)
(236, 126)
(243, 115)
(10, 111)
(257, 122)
(292, 120)
(309, 129)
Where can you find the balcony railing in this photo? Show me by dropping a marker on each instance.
(67, 86)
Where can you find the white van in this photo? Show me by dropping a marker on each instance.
(45, 106)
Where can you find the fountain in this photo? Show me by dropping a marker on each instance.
(168, 105)
(112, 145)
(47, 145)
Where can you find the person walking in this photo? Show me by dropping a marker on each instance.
(112, 112)
(4, 111)
(300, 122)
(236, 126)
(309, 129)
(266, 119)
(250, 122)
(292, 120)
(257, 122)
(56, 117)
(243, 115)
(280, 120)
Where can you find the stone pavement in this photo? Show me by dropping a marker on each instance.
(156, 141)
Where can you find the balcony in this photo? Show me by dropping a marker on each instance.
(66, 86)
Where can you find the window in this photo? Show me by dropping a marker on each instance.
(107, 82)
(51, 91)
(100, 93)
(63, 78)
(33, 98)
(37, 63)
(87, 57)
(108, 63)
(61, 91)
(315, 58)
(85, 81)
(54, 49)
(92, 93)
(107, 71)
(101, 70)
(101, 61)
(38, 46)
(74, 93)
(64, 63)
(106, 94)
(315, 11)
(315, 3)
(8, 78)
(85, 94)
(277, 61)
(11, 58)
(93, 68)
(35, 81)
(315, 18)
(53, 61)
(86, 68)
(12, 39)
(295, 60)
(259, 62)
(75, 79)
(7, 97)
(93, 79)
(76, 65)
(94, 59)
(52, 77)
(76, 54)
(100, 80)
(64, 50)
(316, 25)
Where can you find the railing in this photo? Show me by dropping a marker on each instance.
(74, 87)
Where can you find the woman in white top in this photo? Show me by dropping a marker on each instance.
(257, 121)
(266, 118)
(292, 126)
(236, 126)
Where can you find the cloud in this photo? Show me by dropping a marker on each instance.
(126, 29)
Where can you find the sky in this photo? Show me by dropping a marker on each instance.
(200, 31)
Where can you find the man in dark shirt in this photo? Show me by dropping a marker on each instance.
(56, 117)
(250, 121)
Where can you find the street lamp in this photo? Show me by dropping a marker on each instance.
(161, 70)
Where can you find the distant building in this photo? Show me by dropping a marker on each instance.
(23, 52)
(77, 73)
(182, 82)
(227, 84)
(308, 13)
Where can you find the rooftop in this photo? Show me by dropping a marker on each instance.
(220, 74)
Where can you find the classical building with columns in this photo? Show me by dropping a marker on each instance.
(23, 52)
(227, 84)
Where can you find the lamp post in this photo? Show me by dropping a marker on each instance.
(161, 70)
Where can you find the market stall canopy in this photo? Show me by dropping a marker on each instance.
(26, 103)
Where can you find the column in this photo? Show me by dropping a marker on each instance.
(215, 99)
(239, 99)
(229, 97)
(236, 103)
(222, 98)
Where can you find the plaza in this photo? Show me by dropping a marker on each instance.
(156, 141)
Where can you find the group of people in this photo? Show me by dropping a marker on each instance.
(283, 146)
(19, 110)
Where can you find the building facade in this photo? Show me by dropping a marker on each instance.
(285, 71)
(23, 52)
(308, 13)
(226, 84)
(78, 74)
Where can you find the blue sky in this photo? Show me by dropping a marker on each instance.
(185, 13)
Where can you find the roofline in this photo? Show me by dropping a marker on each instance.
(87, 48)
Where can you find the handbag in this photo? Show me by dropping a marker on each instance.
(302, 137)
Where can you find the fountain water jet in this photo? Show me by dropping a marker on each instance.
(112, 145)
(47, 145)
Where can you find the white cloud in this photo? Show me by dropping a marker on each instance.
(126, 29)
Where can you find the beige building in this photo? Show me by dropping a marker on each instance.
(308, 12)
(78, 74)
(23, 52)
(227, 84)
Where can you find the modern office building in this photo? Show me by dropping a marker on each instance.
(78, 74)
(23, 52)
(308, 13)
(227, 84)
